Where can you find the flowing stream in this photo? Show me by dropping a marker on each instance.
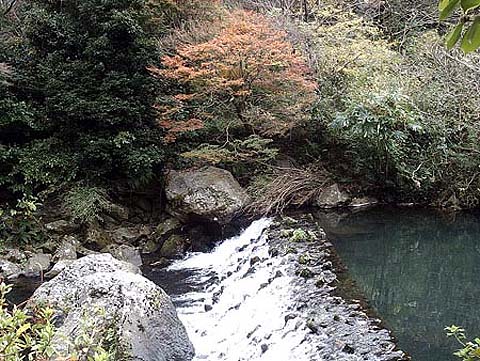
(230, 312)
(265, 297)
(251, 299)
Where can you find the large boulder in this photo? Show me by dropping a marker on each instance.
(332, 197)
(100, 295)
(207, 194)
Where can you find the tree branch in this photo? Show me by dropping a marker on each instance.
(10, 7)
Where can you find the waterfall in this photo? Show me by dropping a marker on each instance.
(240, 301)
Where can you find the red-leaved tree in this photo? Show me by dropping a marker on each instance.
(248, 76)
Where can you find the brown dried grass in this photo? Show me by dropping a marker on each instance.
(289, 187)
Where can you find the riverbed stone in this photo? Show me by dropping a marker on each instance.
(151, 245)
(37, 264)
(62, 226)
(97, 236)
(332, 197)
(67, 249)
(207, 194)
(15, 255)
(102, 294)
(173, 247)
(118, 212)
(124, 235)
(167, 226)
(125, 253)
(9, 270)
(58, 267)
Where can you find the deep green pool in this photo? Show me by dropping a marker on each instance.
(420, 270)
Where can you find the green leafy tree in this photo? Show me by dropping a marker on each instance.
(467, 30)
(79, 101)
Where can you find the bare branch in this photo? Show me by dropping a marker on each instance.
(9, 6)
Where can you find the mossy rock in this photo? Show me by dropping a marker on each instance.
(167, 226)
(174, 247)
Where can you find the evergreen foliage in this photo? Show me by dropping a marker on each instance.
(77, 103)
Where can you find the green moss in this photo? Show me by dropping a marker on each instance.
(173, 246)
(299, 235)
(304, 259)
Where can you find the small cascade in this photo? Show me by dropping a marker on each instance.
(241, 303)
(235, 312)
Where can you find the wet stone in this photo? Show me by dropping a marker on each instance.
(9, 270)
(348, 349)
(254, 260)
(37, 264)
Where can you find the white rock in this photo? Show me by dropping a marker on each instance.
(101, 291)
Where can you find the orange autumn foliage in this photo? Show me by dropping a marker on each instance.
(248, 73)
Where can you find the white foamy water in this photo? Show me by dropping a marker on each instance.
(249, 305)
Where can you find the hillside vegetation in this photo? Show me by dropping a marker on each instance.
(101, 97)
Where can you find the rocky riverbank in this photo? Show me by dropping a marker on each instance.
(201, 207)
(340, 328)
(289, 259)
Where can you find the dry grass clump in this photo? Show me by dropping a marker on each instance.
(286, 187)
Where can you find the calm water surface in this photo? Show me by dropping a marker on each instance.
(420, 269)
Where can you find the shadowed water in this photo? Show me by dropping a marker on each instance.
(420, 269)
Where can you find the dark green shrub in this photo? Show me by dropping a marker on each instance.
(382, 132)
(20, 225)
(79, 100)
(87, 204)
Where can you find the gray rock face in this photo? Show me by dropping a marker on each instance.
(111, 294)
(209, 194)
(332, 197)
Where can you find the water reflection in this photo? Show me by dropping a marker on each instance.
(419, 268)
